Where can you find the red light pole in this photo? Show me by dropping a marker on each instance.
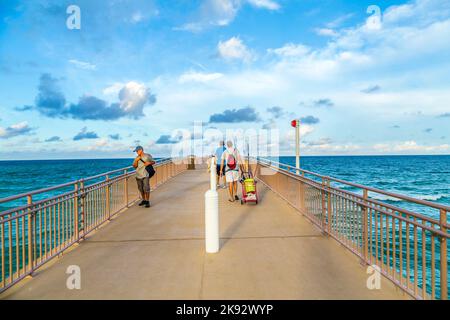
(296, 124)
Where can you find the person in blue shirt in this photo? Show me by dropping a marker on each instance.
(218, 155)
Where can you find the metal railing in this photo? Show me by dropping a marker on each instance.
(408, 248)
(34, 233)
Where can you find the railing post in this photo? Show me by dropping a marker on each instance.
(165, 173)
(329, 206)
(444, 284)
(108, 195)
(83, 209)
(365, 227)
(126, 188)
(30, 234)
(76, 213)
(302, 198)
(324, 209)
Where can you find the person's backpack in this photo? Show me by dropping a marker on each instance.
(151, 171)
(231, 161)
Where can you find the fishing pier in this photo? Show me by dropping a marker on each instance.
(308, 238)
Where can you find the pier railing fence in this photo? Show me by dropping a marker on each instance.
(42, 224)
(408, 248)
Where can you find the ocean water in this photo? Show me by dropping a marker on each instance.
(18, 177)
(421, 177)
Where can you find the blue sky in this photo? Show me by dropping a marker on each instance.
(138, 70)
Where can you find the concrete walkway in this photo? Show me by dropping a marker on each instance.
(268, 251)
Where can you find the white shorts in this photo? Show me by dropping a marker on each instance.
(232, 175)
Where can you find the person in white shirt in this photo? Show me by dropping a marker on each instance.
(231, 162)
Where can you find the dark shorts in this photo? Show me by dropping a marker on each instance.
(218, 170)
(143, 185)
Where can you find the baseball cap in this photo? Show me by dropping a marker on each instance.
(138, 148)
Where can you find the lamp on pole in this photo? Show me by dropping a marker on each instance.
(296, 124)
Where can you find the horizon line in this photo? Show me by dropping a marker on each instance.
(305, 156)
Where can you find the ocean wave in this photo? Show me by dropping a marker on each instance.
(382, 197)
(432, 197)
(427, 197)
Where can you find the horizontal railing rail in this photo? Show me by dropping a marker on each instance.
(68, 184)
(291, 171)
(355, 185)
(408, 248)
(33, 234)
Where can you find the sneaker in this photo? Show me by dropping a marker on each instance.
(147, 204)
(142, 203)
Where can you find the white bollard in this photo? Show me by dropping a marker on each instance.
(212, 213)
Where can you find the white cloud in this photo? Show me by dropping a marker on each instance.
(83, 65)
(193, 27)
(339, 21)
(199, 77)
(397, 13)
(222, 12)
(328, 148)
(305, 130)
(266, 4)
(358, 50)
(213, 13)
(134, 12)
(405, 59)
(298, 73)
(326, 32)
(15, 130)
(411, 147)
(113, 90)
(234, 49)
(399, 38)
(133, 97)
(99, 144)
(291, 50)
(418, 12)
